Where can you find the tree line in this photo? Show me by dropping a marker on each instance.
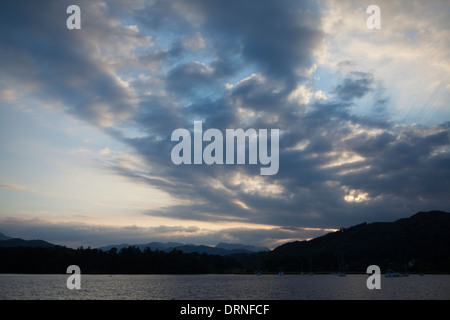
(131, 260)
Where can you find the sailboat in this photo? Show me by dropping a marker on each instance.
(391, 274)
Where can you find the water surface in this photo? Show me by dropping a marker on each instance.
(223, 287)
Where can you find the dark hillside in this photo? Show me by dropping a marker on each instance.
(418, 243)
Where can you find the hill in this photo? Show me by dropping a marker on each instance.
(418, 243)
(3, 237)
(17, 242)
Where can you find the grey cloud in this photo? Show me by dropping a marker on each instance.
(268, 36)
(260, 95)
(192, 78)
(278, 41)
(409, 165)
(401, 161)
(64, 64)
(355, 87)
(402, 176)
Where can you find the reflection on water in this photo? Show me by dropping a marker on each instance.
(218, 287)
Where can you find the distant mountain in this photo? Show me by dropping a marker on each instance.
(203, 249)
(3, 237)
(222, 249)
(233, 246)
(420, 242)
(17, 242)
(161, 246)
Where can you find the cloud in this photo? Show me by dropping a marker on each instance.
(409, 54)
(345, 154)
(75, 234)
(13, 187)
(71, 68)
(355, 87)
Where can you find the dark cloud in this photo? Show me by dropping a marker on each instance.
(39, 52)
(355, 87)
(277, 36)
(192, 79)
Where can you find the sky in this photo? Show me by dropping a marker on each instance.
(86, 117)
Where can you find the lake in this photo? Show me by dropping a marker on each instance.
(223, 287)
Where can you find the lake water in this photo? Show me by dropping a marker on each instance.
(223, 287)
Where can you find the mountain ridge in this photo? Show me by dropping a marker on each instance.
(417, 242)
(18, 242)
(220, 249)
(4, 237)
